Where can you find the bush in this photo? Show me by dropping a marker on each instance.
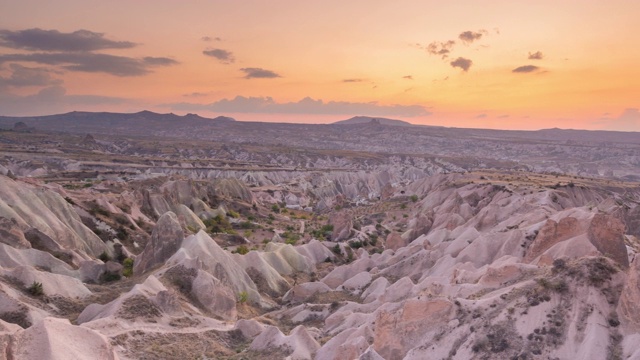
(336, 249)
(275, 208)
(243, 296)
(414, 198)
(242, 250)
(110, 276)
(35, 289)
(104, 257)
(127, 271)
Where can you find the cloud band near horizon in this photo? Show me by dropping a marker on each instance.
(307, 105)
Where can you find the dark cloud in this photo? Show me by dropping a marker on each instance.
(224, 56)
(259, 73)
(468, 37)
(535, 56)
(503, 116)
(440, 48)
(27, 76)
(158, 61)
(195, 94)
(408, 77)
(53, 99)
(266, 105)
(54, 40)
(353, 80)
(481, 116)
(91, 62)
(209, 38)
(462, 63)
(525, 69)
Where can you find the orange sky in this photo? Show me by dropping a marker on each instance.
(309, 61)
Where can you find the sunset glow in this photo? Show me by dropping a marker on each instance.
(489, 64)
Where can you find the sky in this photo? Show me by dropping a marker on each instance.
(483, 64)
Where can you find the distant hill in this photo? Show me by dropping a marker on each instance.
(374, 120)
(140, 123)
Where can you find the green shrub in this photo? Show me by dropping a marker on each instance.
(127, 271)
(242, 250)
(275, 208)
(414, 198)
(35, 289)
(243, 296)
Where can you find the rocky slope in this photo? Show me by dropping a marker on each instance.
(358, 265)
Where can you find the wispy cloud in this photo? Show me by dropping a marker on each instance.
(195, 94)
(462, 63)
(408, 77)
(54, 40)
(442, 49)
(468, 37)
(259, 73)
(93, 62)
(209, 38)
(223, 56)
(51, 100)
(22, 76)
(628, 120)
(268, 105)
(353, 80)
(536, 56)
(526, 69)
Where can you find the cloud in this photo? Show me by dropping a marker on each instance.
(267, 105)
(468, 37)
(54, 40)
(440, 48)
(536, 56)
(408, 77)
(629, 120)
(462, 63)
(353, 80)
(158, 61)
(91, 62)
(53, 99)
(224, 56)
(481, 116)
(525, 69)
(27, 76)
(195, 94)
(259, 73)
(209, 38)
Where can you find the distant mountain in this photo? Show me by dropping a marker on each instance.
(372, 120)
(140, 123)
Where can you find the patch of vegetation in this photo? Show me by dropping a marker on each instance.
(104, 256)
(69, 200)
(336, 249)
(127, 270)
(323, 233)
(108, 276)
(242, 250)
(243, 296)
(414, 198)
(218, 224)
(35, 289)
(275, 208)
(290, 238)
